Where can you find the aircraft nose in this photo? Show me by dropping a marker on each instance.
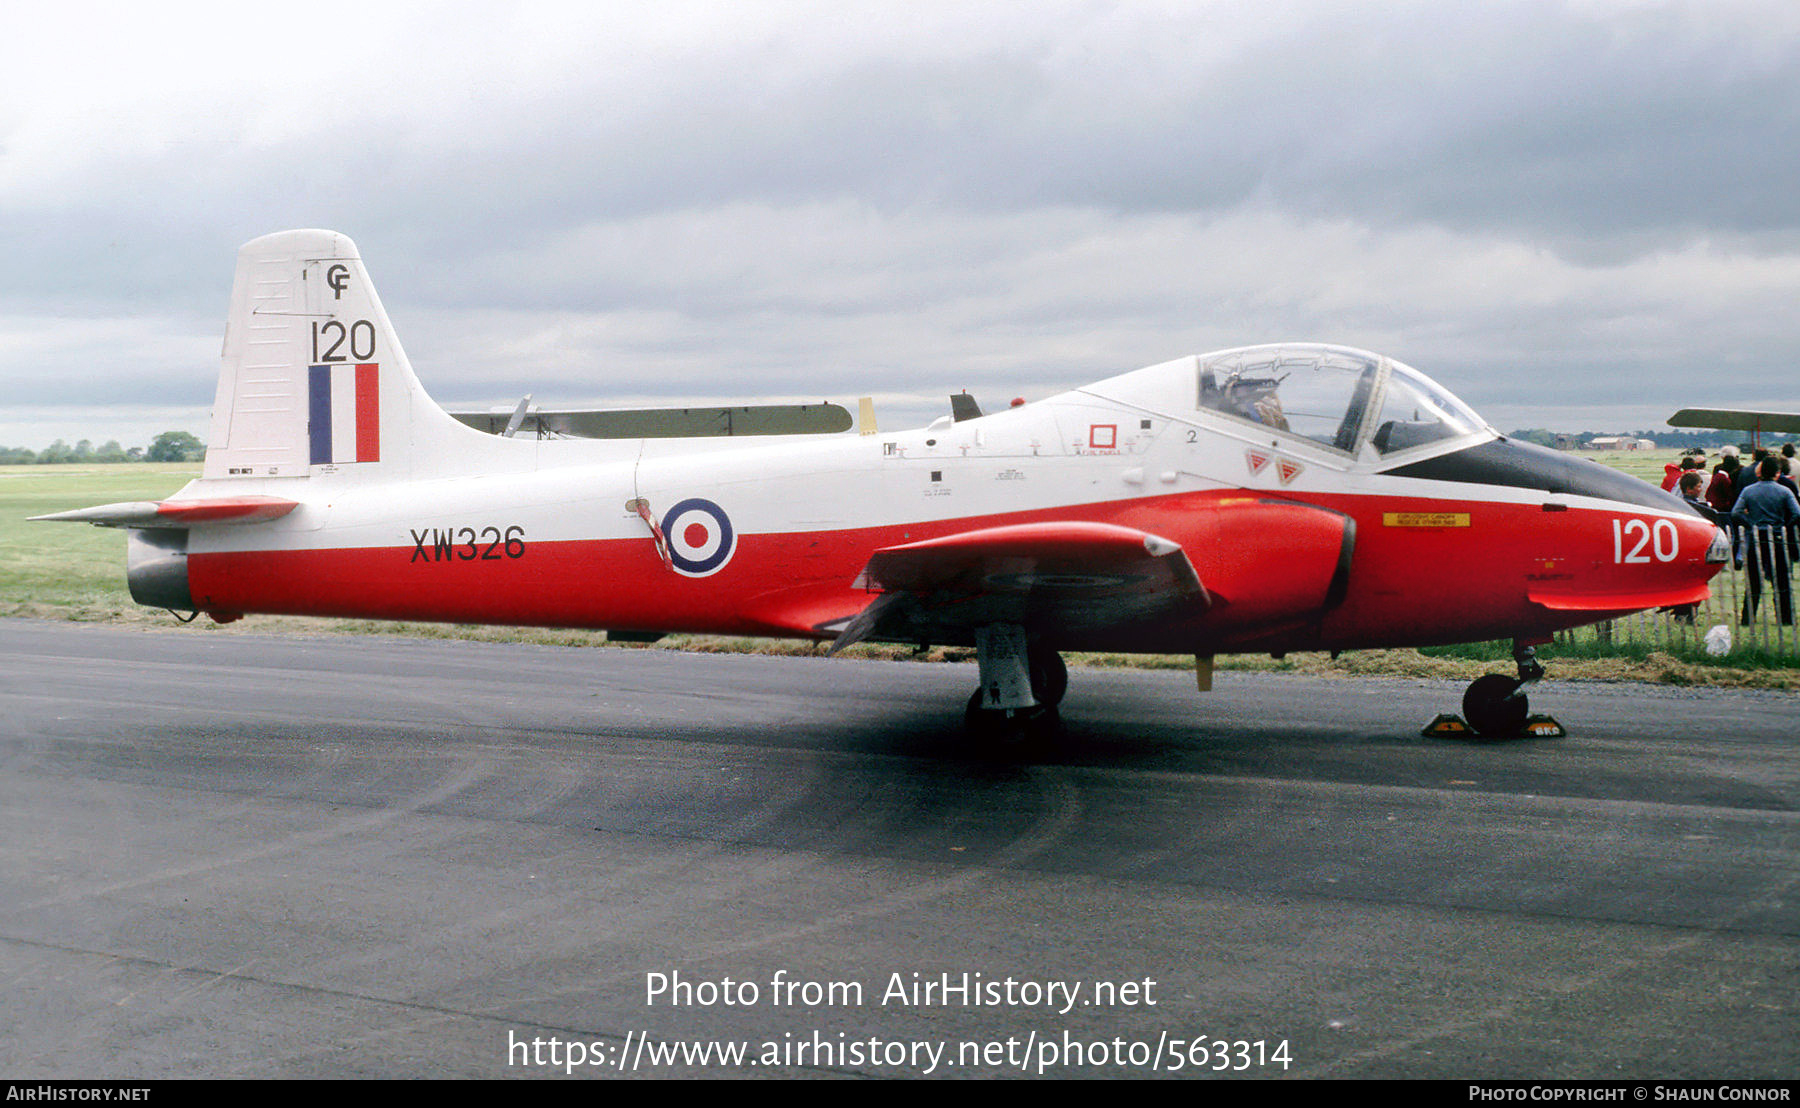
(1588, 478)
(1702, 534)
(1687, 549)
(1652, 547)
(1516, 464)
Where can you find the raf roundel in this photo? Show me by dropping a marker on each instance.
(700, 537)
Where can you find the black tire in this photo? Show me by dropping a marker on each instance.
(1009, 728)
(1495, 707)
(1049, 677)
(976, 718)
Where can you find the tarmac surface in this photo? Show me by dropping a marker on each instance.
(245, 856)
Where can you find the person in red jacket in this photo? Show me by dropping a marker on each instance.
(1672, 472)
(1722, 493)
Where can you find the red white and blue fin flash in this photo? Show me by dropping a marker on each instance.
(344, 413)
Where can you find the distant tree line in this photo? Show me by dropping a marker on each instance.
(1665, 438)
(170, 446)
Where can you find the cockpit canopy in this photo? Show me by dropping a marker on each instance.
(1336, 396)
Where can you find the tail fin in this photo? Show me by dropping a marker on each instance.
(314, 380)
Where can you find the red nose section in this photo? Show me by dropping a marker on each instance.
(1646, 562)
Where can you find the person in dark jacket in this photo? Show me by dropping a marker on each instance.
(1691, 485)
(1765, 514)
(1746, 474)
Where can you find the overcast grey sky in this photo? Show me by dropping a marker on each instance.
(1573, 214)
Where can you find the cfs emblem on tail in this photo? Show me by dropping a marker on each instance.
(1263, 499)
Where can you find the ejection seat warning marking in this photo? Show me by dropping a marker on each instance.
(1425, 519)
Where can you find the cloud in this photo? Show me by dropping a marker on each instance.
(1548, 205)
(724, 302)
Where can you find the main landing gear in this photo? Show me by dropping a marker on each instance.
(1496, 707)
(1022, 682)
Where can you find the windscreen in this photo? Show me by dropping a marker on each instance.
(1416, 411)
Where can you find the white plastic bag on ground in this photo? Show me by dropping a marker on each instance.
(1718, 641)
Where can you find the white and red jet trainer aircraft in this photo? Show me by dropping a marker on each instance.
(1266, 499)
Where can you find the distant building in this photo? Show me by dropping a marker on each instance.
(1619, 442)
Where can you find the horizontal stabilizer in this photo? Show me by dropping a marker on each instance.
(177, 513)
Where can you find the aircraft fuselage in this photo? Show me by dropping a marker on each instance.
(785, 526)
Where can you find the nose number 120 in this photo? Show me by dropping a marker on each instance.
(1662, 539)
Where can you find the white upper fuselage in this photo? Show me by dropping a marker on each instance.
(1125, 438)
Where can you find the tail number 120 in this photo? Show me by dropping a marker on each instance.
(1661, 538)
(360, 336)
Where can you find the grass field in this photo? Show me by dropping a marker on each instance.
(68, 570)
(77, 572)
(1647, 464)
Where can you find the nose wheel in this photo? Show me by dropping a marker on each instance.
(1495, 705)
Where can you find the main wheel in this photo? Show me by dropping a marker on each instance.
(1495, 707)
(1049, 677)
(1008, 727)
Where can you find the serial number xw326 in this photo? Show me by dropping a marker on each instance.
(467, 544)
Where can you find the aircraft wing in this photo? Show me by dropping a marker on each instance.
(1070, 575)
(661, 423)
(1733, 419)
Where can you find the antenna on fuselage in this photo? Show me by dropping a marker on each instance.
(963, 406)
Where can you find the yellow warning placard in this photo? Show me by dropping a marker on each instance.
(1425, 519)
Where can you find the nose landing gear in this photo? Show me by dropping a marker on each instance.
(1496, 706)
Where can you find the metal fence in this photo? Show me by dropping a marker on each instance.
(1752, 598)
